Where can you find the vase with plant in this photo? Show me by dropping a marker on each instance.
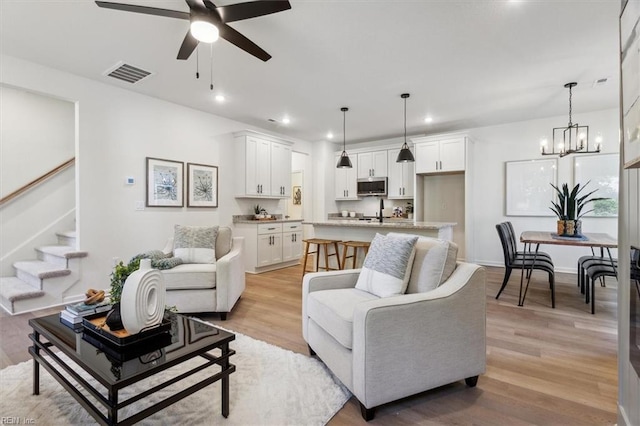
(258, 211)
(570, 208)
(119, 276)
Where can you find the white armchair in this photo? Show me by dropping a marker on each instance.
(208, 287)
(384, 349)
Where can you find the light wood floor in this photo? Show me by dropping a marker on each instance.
(544, 366)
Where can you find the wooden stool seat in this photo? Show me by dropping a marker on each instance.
(324, 244)
(364, 245)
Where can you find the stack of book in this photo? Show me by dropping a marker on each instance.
(73, 314)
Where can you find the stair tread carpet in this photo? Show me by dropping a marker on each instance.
(41, 269)
(66, 252)
(13, 289)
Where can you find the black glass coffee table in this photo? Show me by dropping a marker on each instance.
(116, 366)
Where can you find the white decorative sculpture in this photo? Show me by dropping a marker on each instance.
(143, 298)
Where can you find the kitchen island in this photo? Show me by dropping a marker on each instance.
(363, 230)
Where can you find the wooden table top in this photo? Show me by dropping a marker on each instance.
(594, 239)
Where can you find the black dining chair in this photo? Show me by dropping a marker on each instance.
(597, 270)
(523, 260)
(585, 262)
(512, 237)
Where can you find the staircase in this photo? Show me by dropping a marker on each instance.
(43, 282)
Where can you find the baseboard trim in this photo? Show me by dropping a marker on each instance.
(623, 419)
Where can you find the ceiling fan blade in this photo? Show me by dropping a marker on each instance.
(144, 9)
(251, 9)
(234, 37)
(189, 44)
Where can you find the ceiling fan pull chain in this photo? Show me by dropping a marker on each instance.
(197, 63)
(211, 69)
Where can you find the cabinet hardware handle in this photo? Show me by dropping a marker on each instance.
(436, 165)
(399, 191)
(440, 165)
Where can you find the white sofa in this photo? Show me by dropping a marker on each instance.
(208, 287)
(384, 349)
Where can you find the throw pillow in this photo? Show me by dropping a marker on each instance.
(387, 267)
(434, 262)
(195, 244)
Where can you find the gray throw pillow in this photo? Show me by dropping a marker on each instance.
(387, 267)
(195, 244)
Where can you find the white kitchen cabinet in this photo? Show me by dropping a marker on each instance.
(291, 241)
(280, 170)
(401, 177)
(270, 245)
(346, 180)
(439, 156)
(372, 164)
(263, 166)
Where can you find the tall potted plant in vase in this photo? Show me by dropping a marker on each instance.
(570, 208)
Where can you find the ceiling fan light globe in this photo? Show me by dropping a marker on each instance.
(204, 31)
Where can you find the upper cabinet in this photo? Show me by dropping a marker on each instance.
(372, 164)
(346, 180)
(263, 166)
(401, 177)
(440, 155)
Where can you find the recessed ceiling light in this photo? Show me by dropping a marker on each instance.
(428, 119)
(286, 120)
(329, 135)
(220, 98)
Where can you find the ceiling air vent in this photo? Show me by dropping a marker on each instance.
(600, 82)
(127, 72)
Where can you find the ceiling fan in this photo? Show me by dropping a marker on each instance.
(208, 21)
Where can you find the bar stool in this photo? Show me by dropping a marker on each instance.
(321, 243)
(355, 245)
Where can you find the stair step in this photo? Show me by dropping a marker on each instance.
(62, 251)
(14, 289)
(67, 238)
(40, 269)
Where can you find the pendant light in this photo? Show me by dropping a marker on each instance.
(405, 155)
(572, 139)
(344, 162)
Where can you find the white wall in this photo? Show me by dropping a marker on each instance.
(39, 130)
(116, 130)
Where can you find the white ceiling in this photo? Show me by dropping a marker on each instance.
(466, 63)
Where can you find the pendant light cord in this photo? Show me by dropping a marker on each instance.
(405, 121)
(211, 69)
(344, 130)
(570, 96)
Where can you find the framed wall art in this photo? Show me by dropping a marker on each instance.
(202, 185)
(601, 171)
(164, 183)
(528, 187)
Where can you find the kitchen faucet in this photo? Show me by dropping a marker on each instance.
(381, 208)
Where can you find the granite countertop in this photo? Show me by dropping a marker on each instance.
(389, 223)
(248, 218)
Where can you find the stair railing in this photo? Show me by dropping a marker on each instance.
(38, 181)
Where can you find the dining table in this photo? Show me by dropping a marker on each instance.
(594, 240)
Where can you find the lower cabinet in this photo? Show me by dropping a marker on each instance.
(269, 246)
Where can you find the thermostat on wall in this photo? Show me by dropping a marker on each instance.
(130, 180)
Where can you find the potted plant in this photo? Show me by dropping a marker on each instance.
(119, 275)
(570, 208)
(258, 211)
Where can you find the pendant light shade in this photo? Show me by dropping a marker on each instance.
(344, 162)
(405, 155)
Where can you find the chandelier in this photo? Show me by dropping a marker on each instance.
(573, 139)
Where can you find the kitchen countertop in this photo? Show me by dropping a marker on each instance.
(249, 219)
(388, 223)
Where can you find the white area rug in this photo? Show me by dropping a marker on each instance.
(271, 386)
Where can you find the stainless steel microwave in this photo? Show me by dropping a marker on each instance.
(372, 186)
